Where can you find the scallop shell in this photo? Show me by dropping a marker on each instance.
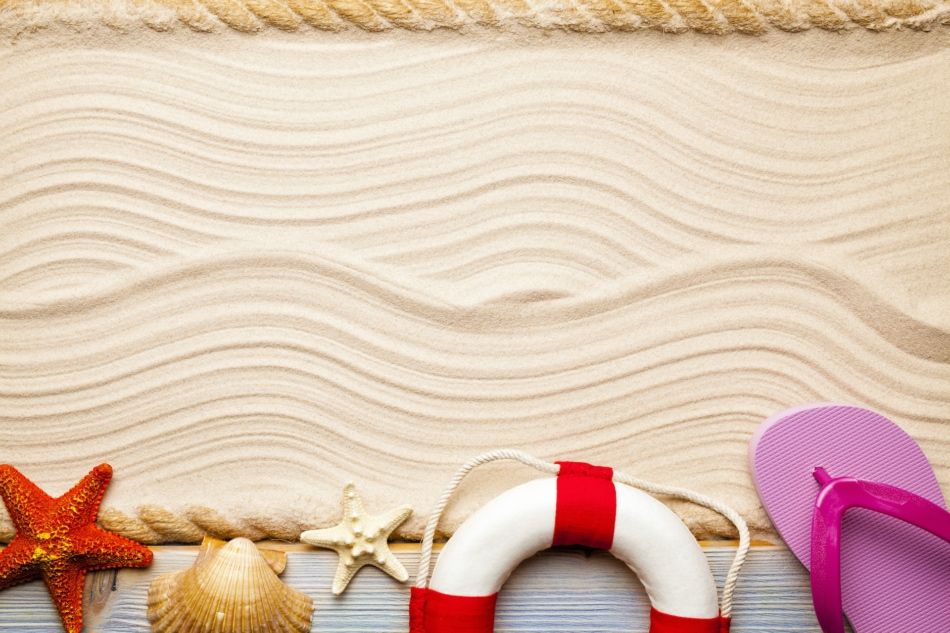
(231, 588)
(276, 559)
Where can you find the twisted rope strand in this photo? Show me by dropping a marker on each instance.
(717, 17)
(155, 525)
(425, 555)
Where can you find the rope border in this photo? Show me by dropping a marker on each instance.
(715, 17)
(155, 526)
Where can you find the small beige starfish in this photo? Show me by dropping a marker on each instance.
(360, 540)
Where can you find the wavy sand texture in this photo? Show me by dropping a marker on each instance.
(247, 270)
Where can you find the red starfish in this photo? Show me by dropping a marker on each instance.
(58, 539)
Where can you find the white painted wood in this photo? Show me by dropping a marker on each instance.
(557, 591)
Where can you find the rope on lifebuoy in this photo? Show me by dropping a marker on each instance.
(553, 469)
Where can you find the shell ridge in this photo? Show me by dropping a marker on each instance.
(231, 588)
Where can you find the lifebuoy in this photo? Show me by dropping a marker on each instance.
(582, 506)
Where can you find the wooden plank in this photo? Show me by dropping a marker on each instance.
(558, 591)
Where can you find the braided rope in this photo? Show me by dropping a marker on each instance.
(7, 531)
(425, 556)
(155, 525)
(706, 16)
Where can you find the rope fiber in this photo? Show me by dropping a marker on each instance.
(715, 17)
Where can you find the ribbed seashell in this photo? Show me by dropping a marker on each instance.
(231, 588)
(276, 559)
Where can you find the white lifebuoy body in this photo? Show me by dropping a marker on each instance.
(519, 523)
(584, 506)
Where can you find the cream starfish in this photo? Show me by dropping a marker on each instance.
(360, 540)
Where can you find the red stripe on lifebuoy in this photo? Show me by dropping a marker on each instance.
(665, 623)
(417, 610)
(586, 506)
(433, 612)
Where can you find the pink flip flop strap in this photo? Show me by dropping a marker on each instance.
(838, 495)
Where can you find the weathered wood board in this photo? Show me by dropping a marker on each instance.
(557, 591)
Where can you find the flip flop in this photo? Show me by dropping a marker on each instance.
(812, 463)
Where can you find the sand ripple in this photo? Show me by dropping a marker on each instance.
(247, 275)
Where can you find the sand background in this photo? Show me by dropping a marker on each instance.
(246, 269)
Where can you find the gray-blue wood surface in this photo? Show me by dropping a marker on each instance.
(557, 591)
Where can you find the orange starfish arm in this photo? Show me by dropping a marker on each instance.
(99, 549)
(59, 540)
(24, 500)
(80, 506)
(65, 584)
(17, 564)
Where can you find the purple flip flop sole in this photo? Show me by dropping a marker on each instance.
(895, 577)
